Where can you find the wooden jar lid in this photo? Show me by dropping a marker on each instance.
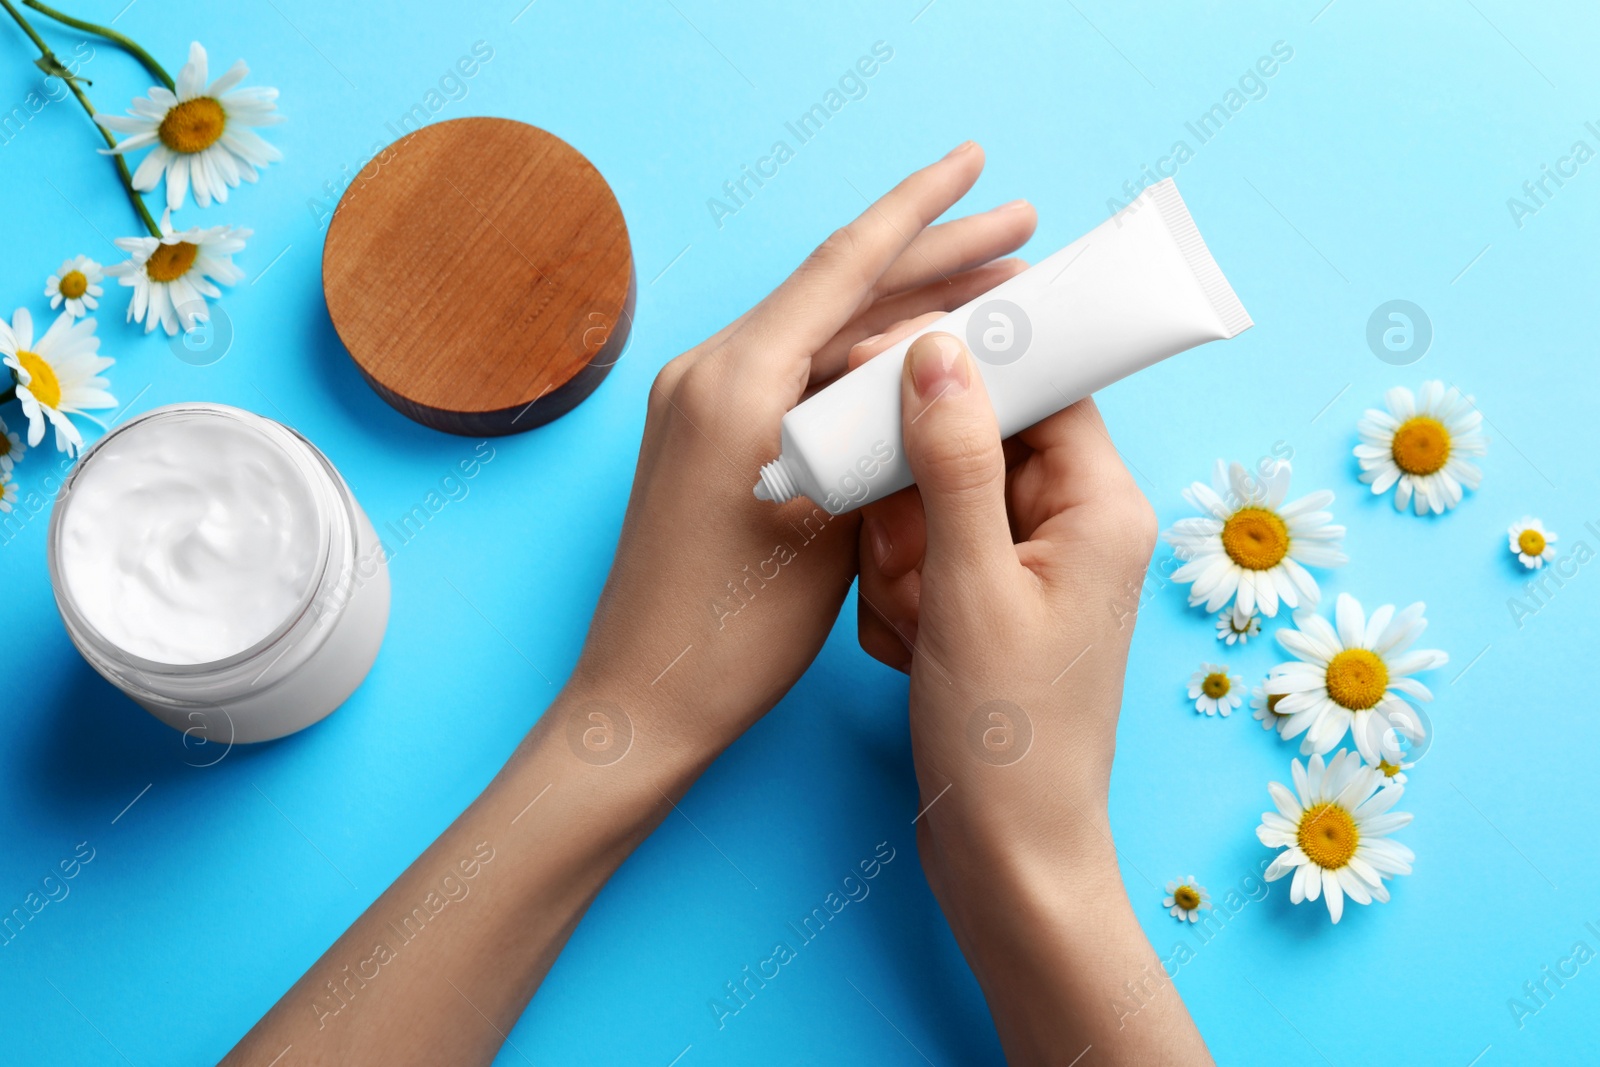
(479, 272)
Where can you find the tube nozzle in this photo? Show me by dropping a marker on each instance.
(776, 484)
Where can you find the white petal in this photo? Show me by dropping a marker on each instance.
(1277, 484)
(1386, 823)
(1423, 659)
(1335, 895)
(150, 169)
(124, 124)
(1402, 404)
(233, 76)
(1402, 631)
(1351, 883)
(1246, 594)
(178, 182)
(1376, 623)
(1275, 821)
(1352, 623)
(1387, 476)
(192, 78)
(1280, 866)
(1287, 806)
(1266, 588)
(1361, 730)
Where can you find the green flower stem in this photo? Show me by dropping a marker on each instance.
(123, 42)
(72, 83)
(9, 395)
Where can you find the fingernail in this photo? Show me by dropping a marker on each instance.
(1013, 206)
(964, 146)
(938, 365)
(879, 537)
(866, 342)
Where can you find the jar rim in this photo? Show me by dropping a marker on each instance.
(324, 491)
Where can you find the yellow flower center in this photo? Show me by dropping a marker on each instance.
(168, 263)
(1255, 538)
(1421, 445)
(1272, 704)
(193, 126)
(5, 445)
(1328, 836)
(1531, 542)
(1186, 897)
(42, 380)
(73, 284)
(1215, 686)
(1389, 769)
(1357, 679)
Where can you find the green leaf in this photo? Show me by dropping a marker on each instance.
(53, 68)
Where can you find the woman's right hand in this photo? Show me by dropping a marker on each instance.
(1005, 582)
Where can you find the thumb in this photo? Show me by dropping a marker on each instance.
(952, 443)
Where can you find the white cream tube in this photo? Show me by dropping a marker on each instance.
(1136, 289)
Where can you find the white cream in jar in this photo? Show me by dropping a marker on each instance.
(213, 565)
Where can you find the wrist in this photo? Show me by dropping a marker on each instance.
(1043, 924)
(625, 749)
(587, 784)
(682, 730)
(1037, 857)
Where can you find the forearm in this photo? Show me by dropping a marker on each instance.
(1054, 943)
(440, 967)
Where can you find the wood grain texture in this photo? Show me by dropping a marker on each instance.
(480, 275)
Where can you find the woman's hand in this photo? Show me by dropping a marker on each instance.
(1002, 578)
(717, 602)
(1001, 582)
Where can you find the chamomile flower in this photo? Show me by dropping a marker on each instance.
(1531, 543)
(1391, 761)
(1334, 830)
(171, 276)
(202, 134)
(1393, 772)
(1231, 628)
(1421, 446)
(1214, 690)
(57, 375)
(11, 447)
(1350, 671)
(1186, 899)
(77, 284)
(1250, 547)
(8, 492)
(1264, 709)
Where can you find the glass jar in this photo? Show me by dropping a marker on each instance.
(120, 555)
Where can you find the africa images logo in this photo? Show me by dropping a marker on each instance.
(999, 332)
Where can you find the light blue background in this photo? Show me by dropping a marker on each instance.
(1377, 166)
